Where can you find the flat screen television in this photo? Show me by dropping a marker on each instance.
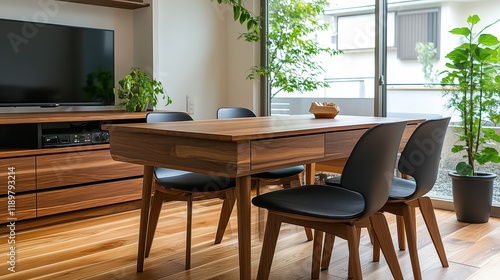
(51, 65)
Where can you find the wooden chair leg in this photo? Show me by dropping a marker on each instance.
(376, 244)
(309, 234)
(351, 268)
(401, 232)
(327, 251)
(273, 226)
(225, 214)
(354, 261)
(409, 221)
(188, 231)
(427, 211)
(316, 256)
(154, 215)
(300, 178)
(383, 238)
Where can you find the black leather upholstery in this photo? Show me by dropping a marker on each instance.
(310, 200)
(419, 159)
(167, 117)
(280, 173)
(192, 182)
(357, 196)
(234, 112)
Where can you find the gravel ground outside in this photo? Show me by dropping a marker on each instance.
(442, 188)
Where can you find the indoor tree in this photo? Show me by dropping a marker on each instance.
(293, 52)
(472, 85)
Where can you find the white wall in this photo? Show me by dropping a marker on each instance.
(454, 13)
(199, 56)
(241, 56)
(190, 45)
(143, 39)
(50, 11)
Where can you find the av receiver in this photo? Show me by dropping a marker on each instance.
(72, 134)
(74, 139)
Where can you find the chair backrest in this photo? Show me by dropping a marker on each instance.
(370, 167)
(421, 155)
(234, 112)
(167, 117)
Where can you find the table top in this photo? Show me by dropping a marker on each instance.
(244, 129)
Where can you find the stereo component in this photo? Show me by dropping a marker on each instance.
(74, 139)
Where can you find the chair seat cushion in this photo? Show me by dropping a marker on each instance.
(280, 173)
(191, 181)
(400, 189)
(314, 201)
(335, 181)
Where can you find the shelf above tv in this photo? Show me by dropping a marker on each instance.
(122, 4)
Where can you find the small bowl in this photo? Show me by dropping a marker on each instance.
(323, 110)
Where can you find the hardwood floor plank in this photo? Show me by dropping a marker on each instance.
(106, 248)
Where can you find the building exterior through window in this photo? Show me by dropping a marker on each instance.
(418, 27)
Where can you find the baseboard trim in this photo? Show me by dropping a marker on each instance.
(448, 205)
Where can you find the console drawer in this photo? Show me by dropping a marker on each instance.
(24, 174)
(71, 199)
(25, 208)
(286, 151)
(75, 168)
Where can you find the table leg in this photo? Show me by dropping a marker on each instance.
(310, 173)
(147, 182)
(244, 226)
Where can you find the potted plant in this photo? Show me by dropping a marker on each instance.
(137, 91)
(472, 84)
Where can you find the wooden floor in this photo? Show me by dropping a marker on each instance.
(106, 248)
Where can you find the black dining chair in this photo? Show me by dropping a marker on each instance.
(177, 185)
(340, 210)
(419, 160)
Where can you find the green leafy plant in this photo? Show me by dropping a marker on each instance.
(244, 17)
(293, 53)
(472, 84)
(137, 90)
(427, 56)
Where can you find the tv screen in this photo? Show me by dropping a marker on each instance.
(55, 65)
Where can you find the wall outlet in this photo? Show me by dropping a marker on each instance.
(189, 105)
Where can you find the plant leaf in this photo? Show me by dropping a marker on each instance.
(457, 148)
(464, 169)
(460, 31)
(487, 40)
(474, 19)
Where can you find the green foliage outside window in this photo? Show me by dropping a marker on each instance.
(293, 52)
(427, 56)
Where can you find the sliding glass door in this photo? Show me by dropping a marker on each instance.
(422, 40)
(393, 52)
(350, 77)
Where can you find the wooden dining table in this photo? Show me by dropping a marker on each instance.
(237, 148)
